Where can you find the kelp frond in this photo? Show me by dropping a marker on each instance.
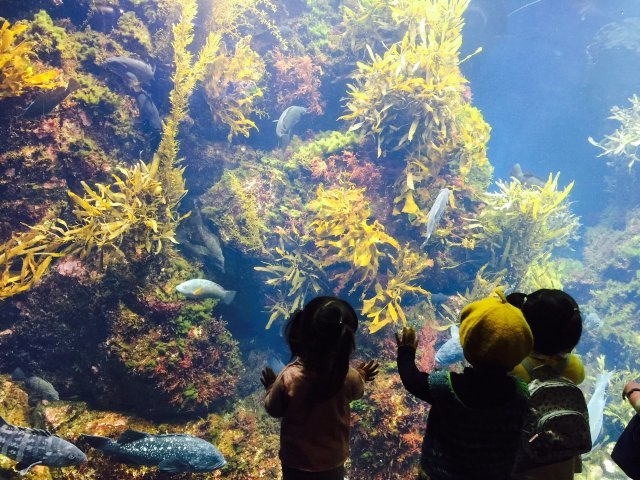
(343, 233)
(385, 307)
(522, 225)
(294, 274)
(623, 144)
(17, 70)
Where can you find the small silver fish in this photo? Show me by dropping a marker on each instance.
(436, 212)
(200, 288)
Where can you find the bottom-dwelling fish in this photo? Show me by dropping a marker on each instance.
(173, 453)
(37, 388)
(31, 447)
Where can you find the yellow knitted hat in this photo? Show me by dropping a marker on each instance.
(494, 333)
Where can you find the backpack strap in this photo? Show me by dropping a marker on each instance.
(440, 386)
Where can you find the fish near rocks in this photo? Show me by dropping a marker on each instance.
(132, 72)
(526, 178)
(31, 447)
(451, 351)
(37, 388)
(288, 119)
(48, 100)
(172, 453)
(210, 241)
(149, 112)
(198, 288)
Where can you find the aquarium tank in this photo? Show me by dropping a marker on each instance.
(178, 177)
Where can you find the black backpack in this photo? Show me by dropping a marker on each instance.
(557, 425)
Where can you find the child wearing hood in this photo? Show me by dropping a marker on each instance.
(476, 416)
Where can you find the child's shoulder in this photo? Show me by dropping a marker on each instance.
(574, 370)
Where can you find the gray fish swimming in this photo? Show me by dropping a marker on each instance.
(436, 212)
(451, 351)
(132, 72)
(210, 240)
(173, 453)
(31, 447)
(37, 388)
(148, 112)
(200, 288)
(288, 119)
(593, 323)
(50, 99)
(104, 15)
(526, 178)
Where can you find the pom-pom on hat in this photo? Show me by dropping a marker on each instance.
(494, 333)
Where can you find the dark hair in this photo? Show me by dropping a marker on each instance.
(554, 319)
(323, 336)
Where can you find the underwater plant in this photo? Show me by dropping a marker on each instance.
(412, 91)
(139, 209)
(232, 88)
(622, 145)
(521, 226)
(342, 233)
(17, 69)
(298, 81)
(385, 307)
(294, 273)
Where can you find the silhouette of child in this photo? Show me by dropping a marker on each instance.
(313, 392)
(476, 416)
(556, 324)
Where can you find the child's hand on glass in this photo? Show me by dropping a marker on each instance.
(267, 378)
(369, 370)
(407, 338)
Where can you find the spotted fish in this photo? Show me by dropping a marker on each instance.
(173, 453)
(31, 447)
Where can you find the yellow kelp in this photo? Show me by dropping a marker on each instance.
(522, 225)
(232, 88)
(625, 141)
(411, 92)
(385, 307)
(343, 234)
(17, 71)
(294, 273)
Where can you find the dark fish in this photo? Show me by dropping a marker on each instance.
(48, 100)
(173, 453)
(38, 388)
(104, 16)
(132, 72)
(31, 447)
(527, 179)
(288, 119)
(210, 241)
(148, 112)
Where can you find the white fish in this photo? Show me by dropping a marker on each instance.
(201, 288)
(451, 351)
(435, 214)
(596, 405)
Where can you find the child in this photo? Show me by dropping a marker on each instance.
(476, 416)
(313, 392)
(626, 452)
(556, 324)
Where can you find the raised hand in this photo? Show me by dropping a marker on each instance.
(407, 337)
(268, 377)
(369, 370)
